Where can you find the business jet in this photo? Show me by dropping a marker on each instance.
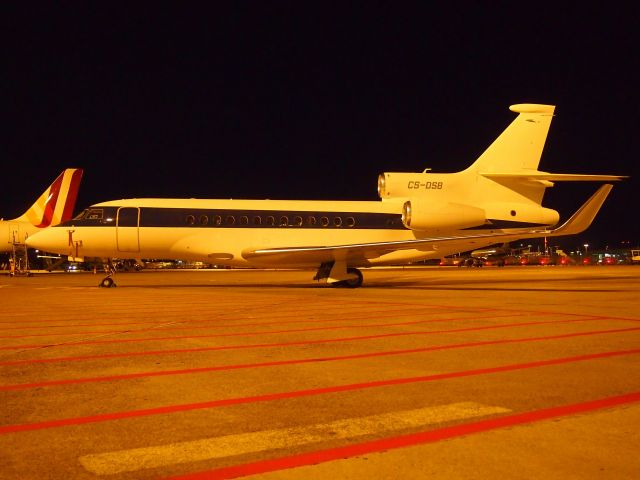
(420, 216)
(54, 206)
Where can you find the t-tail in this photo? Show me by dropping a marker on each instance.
(517, 152)
(502, 189)
(511, 161)
(57, 202)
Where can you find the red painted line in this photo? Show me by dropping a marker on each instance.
(317, 309)
(223, 321)
(105, 417)
(180, 314)
(494, 309)
(248, 334)
(278, 363)
(271, 345)
(165, 326)
(419, 438)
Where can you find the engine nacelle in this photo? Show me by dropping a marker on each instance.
(400, 184)
(523, 213)
(419, 214)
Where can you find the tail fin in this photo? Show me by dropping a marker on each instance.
(511, 161)
(519, 146)
(57, 202)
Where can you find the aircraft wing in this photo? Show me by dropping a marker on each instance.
(578, 222)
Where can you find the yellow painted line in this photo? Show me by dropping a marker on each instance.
(229, 445)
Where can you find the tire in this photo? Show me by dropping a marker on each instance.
(107, 282)
(352, 282)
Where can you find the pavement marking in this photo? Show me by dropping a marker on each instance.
(275, 345)
(268, 324)
(247, 334)
(279, 363)
(223, 322)
(419, 438)
(268, 397)
(136, 459)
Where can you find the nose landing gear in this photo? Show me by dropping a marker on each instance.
(110, 270)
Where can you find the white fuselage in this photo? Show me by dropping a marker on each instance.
(223, 231)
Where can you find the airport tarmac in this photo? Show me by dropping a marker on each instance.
(434, 372)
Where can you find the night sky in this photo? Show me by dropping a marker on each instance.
(312, 99)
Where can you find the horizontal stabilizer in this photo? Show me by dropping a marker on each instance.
(553, 177)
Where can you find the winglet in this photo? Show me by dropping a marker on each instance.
(581, 220)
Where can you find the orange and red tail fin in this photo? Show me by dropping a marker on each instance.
(57, 202)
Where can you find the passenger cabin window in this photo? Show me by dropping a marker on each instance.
(256, 220)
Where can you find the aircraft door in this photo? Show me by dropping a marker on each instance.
(127, 229)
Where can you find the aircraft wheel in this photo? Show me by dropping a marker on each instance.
(107, 283)
(352, 282)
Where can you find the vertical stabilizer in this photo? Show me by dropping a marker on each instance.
(519, 146)
(57, 202)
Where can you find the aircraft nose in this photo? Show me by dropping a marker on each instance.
(50, 239)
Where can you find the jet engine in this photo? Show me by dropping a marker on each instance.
(419, 214)
(399, 184)
(523, 213)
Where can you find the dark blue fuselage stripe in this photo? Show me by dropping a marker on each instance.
(236, 218)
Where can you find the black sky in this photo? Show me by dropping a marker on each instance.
(312, 99)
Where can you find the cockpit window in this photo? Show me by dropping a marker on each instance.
(94, 214)
(80, 215)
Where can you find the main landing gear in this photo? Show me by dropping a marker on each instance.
(110, 270)
(339, 275)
